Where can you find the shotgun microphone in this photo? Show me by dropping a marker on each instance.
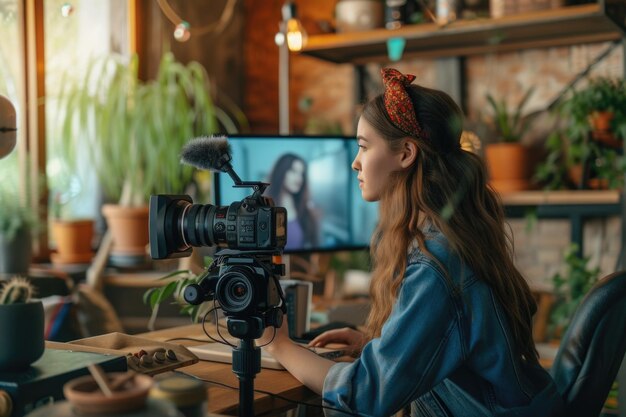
(210, 153)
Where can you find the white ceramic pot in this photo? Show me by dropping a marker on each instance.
(358, 15)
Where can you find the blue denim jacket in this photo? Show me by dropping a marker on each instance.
(443, 352)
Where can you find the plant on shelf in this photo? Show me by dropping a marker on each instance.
(22, 345)
(72, 233)
(510, 125)
(18, 224)
(506, 157)
(580, 155)
(601, 106)
(570, 287)
(132, 131)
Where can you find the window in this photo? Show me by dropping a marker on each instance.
(12, 83)
(73, 32)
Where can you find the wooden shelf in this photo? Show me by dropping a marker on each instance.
(604, 21)
(565, 197)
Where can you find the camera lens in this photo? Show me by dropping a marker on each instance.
(176, 224)
(235, 291)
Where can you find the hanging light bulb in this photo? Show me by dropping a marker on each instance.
(295, 33)
(67, 9)
(182, 33)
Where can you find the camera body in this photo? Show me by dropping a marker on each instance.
(243, 278)
(245, 287)
(176, 225)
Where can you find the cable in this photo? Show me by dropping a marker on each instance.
(224, 342)
(324, 407)
(191, 339)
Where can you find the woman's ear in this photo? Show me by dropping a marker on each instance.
(409, 152)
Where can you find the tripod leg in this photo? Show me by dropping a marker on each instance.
(246, 364)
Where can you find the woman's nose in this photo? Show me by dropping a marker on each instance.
(355, 164)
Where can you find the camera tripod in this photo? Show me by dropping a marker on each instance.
(246, 364)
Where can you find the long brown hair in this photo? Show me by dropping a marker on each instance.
(306, 216)
(445, 187)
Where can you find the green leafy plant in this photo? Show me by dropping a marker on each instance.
(601, 94)
(510, 125)
(341, 262)
(15, 215)
(16, 290)
(172, 290)
(571, 145)
(132, 131)
(570, 287)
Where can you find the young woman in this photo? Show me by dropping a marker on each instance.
(449, 333)
(289, 188)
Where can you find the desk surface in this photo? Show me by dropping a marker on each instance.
(226, 400)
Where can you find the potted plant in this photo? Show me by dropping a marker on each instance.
(601, 107)
(18, 224)
(583, 154)
(507, 158)
(21, 325)
(132, 132)
(72, 233)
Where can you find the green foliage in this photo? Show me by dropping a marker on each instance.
(173, 290)
(16, 290)
(601, 94)
(571, 145)
(14, 215)
(345, 260)
(571, 287)
(510, 125)
(133, 131)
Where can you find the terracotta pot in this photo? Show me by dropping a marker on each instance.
(575, 174)
(509, 166)
(22, 334)
(73, 240)
(129, 226)
(87, 399)
(601, 120)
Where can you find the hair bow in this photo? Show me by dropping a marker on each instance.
(398, 103)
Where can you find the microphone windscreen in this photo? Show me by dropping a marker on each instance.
(208, 153)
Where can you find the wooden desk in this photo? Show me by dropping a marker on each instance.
(226, 400)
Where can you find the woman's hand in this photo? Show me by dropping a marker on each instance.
(354, 339)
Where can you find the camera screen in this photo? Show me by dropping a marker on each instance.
(311, 176)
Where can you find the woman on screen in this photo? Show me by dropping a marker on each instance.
(449, 332)
(289, 188)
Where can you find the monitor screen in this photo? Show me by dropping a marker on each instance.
(312, 177)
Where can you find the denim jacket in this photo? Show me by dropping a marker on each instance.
(443, 352)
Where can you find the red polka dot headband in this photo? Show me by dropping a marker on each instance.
(398, 103)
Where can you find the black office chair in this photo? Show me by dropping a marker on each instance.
(593, 347)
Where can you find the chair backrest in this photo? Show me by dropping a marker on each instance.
(593, 347)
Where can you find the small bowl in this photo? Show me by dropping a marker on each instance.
(86, 398)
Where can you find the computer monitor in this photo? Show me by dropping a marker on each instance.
(332, 215)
